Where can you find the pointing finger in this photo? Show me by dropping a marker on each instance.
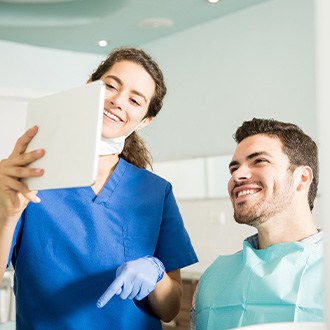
(114, 287)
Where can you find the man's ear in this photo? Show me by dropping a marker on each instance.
(145, 122)
(305, 177)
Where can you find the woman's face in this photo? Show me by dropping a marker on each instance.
(129, 89)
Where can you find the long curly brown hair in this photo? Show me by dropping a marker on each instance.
(135, 150)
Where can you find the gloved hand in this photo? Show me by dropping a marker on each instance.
(134, 279)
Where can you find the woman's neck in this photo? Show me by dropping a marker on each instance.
(107, 165)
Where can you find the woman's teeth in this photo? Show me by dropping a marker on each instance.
(111, 116)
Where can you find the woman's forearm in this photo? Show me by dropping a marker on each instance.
(6, 236)
(165, 300)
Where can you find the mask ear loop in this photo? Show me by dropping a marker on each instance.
(136, 128)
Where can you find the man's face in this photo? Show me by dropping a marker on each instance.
(261, 184)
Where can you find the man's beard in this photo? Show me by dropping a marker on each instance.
(259, 212)
(251, 216)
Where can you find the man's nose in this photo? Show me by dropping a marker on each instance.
(242, 173)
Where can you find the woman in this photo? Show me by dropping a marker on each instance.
(106, 256)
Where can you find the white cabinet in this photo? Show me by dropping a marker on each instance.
(217, 170)
(196, 178)
(186, 176)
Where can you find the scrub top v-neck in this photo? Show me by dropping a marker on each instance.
(110, 185)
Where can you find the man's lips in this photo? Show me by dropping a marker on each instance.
(245, 191)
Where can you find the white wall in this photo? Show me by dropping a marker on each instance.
(28, 68)
(28, 72)
(256, 62)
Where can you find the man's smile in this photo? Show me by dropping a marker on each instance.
(244, 192)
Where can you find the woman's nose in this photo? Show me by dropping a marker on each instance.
(115, 100)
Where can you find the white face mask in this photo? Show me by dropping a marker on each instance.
(111, 146)
(114, 146)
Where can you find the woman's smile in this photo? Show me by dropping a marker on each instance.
(109, 115)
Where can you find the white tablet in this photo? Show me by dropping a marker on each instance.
(70, 125)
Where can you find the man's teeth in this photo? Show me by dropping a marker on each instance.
(245, 192)
(111, 116)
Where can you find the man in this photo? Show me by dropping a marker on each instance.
(277, 277)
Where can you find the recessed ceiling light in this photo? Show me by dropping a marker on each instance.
(155, 22)
(102, 43)
(213, 1)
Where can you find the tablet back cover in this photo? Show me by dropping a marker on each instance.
(70, 125)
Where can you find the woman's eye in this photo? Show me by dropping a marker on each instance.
(135, 102)
(110, 86)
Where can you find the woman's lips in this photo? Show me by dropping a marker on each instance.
(112, 116)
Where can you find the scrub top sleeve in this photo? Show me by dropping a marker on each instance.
(174, 247)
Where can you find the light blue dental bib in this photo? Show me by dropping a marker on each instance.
(283, 283)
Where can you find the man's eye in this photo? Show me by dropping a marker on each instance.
(260, 160)
(232, 170)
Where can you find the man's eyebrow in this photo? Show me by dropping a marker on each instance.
(121, 84)
(249, 157)
(257, 154)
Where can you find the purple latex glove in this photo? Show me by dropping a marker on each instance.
(134, 279)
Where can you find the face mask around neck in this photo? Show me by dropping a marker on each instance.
(114, 146)
(111, 146)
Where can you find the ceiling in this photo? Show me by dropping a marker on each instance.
(78, 25)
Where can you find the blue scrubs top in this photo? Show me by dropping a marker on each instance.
(66, 250)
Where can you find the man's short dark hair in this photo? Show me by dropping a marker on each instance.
(298, 146)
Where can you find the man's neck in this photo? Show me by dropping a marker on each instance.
(286, 228)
